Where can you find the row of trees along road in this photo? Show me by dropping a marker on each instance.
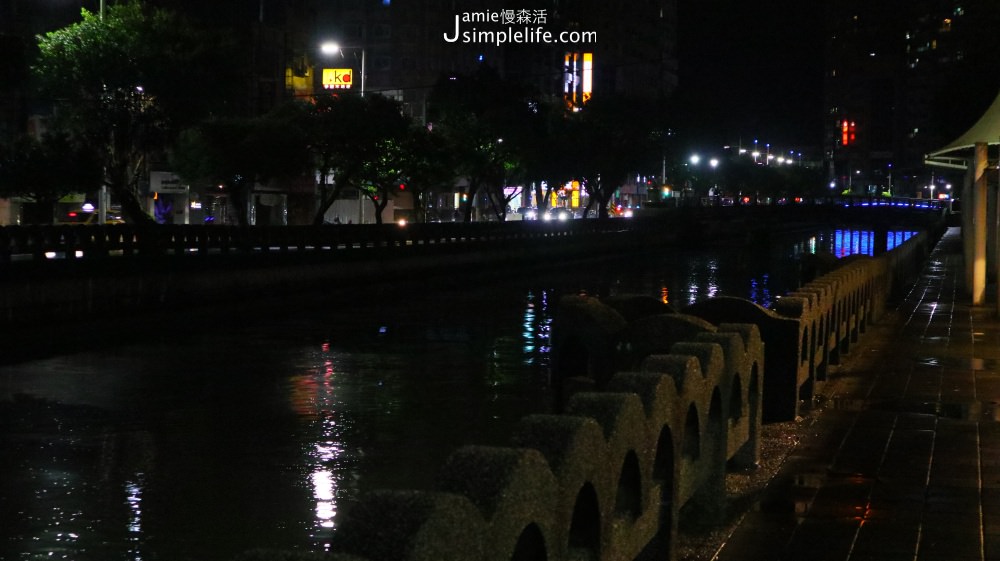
(143, 82)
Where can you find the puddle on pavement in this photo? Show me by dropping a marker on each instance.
(957, 362)
(935, 339)
(972, 411)
(969, 411)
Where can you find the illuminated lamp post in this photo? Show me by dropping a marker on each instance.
(331, 48)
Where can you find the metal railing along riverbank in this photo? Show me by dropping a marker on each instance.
(97, 242)
(70, 242)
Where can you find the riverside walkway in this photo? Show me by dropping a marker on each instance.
(900, 458)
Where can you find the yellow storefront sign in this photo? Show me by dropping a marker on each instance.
(337, 78)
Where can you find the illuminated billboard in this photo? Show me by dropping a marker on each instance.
(578, 79)
(337, 78)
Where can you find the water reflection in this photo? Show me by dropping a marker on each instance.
(843, 242)
(133, 498)
(760, 291)
(313, 397)
(266, 432)
(536, 325)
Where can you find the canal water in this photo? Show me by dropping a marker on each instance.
(229, 435)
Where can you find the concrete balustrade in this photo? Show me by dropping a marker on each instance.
(810, 329)
(652, 407)
(607, 478)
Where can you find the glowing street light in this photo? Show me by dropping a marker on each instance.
(332, 48)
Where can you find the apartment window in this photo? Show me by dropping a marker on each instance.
(382, 63)
(381, 31)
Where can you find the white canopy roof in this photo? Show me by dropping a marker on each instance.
(986, 129)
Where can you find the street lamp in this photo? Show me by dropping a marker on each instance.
(330, 48)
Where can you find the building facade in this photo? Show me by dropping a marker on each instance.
(409, 44)
(904, 78)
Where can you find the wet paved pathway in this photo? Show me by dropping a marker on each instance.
(902, 459)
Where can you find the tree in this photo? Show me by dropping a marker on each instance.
(125, 83)
(382, 174)
(330, 125)
(239, 153)
(486, 121)
(46, 170)
(428, 165)
(614, 138)
(551, 154)
(359, 142)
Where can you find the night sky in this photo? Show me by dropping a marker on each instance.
(751, 70)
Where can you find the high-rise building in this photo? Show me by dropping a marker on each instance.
(274, 43)
(635, 47)
(409, 44)
(904, 77)
(401, 43)
(864, 59)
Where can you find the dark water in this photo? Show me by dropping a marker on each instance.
(201, 443)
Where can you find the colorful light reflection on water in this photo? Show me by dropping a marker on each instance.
(206, 443)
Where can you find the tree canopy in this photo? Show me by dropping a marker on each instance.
(488, 122)
(240, 152)
(359, 142)
(125, 83)
(46, 170)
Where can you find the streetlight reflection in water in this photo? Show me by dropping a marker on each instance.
(313, 397)
(208, 443)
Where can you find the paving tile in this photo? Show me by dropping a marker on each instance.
(902, 456)
(888, 537)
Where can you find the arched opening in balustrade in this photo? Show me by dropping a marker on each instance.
(691, 445)
(663, 463)
(628, 498)
(585, 529)
(753, 399)
(736, 401)
(664, 468)
(814, 343)
(833, 335)
(844, 327)
(716, 433)
(804, 345)
(530, 545)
